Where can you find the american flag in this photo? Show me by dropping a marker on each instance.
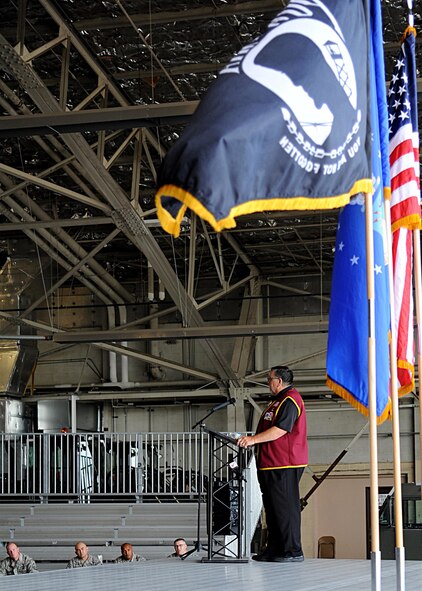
(405, 200)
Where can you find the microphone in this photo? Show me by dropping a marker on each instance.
(224, 404)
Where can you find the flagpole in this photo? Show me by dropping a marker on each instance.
(418, 292)
(418, 282)
(372, 402)
(398, 508)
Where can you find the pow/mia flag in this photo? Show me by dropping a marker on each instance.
(284, 125)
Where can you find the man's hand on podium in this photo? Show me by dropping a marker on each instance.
(246, 441)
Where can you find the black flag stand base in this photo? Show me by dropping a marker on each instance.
(227, 560)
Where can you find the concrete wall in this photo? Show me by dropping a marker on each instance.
(339, 509)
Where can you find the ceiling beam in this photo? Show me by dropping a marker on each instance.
(21, 226)
(54, 187)
(200, 332)
(161, 361)
(164, 17)
(59, 122)
(67, 223)
(129, 117)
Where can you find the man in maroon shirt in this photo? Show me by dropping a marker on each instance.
(282, 454)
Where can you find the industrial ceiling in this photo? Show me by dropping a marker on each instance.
(95, 93)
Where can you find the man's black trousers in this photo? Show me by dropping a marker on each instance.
(281, 499)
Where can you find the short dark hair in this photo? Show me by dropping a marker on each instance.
(283, 372)
(9, 543)
(179, 540)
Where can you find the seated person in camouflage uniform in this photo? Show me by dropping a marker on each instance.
(16, 563)
(128, 555)
(180, 548)
(82, 557)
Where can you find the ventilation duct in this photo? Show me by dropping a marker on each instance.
(17, 362)
(19, 285)
(15, 417)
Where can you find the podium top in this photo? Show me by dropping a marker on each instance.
(222, 436)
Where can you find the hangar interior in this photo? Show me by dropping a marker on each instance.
(111, 327)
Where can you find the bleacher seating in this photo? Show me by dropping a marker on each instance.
(48, 532)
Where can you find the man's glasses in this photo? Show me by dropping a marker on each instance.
(270, 379)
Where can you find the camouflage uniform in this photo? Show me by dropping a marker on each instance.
(78, 562)
(174, 555)
(135, 558)
(24, 564)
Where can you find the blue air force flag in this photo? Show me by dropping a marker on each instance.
(347, 352)
(284, 125)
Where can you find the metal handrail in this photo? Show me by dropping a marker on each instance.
(101, 466)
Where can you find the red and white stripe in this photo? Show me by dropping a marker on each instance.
(405, 205)
(405, 178)
(405, 215)
(403, 305)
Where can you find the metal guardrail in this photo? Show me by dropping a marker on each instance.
(85, 466)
